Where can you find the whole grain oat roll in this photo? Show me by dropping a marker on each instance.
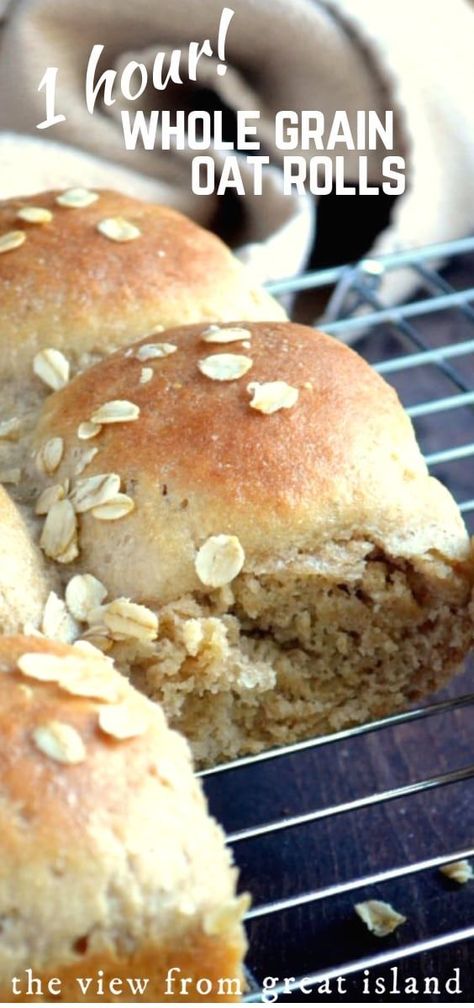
(109, 860)
(258, 487)
(83, 272)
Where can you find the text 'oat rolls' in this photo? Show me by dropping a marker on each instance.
(83, 272)
(110, 865)
(258, 487)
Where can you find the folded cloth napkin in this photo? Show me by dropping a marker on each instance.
(414, 58)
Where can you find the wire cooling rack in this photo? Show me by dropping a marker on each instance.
(305, 885)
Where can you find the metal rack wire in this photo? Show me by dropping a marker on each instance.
(396, 340)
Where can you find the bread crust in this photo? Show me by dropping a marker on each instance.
(71, 288)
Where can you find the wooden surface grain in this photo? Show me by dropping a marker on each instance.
(324, 934)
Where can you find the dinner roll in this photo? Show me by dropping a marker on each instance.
(24, 582)
(110, 866)
(84, 272)
(258, 487)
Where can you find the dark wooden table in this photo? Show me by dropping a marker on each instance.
(321, 935)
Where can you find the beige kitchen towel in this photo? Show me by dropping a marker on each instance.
(413, 57)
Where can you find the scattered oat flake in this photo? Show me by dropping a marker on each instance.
(57, 623)
(233, 334)
(87, 430)
(52, 367)
(48, 497)
(10, 430)
(43, 666)
(118, 229)
(58, 538)
(225, 367)
(59, 741)
(92, 491)
(84, 592)
(76, 673)
(77, 198)
(70, 553)
(122, 722)
(219, 560)
(153, 351)
(380, 918)
(35, 215)
(95, 621)
(49, 456)
(269, 397)
(128, 619)
(116, 411)
(102, 684)
(115, 508)
(458, 871)
(11, 240)
(146, 375)
(85, 460)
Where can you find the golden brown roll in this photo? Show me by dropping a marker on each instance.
(84, 272)
(24, 582)
(110, 866)
(257, 487)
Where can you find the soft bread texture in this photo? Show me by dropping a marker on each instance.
(109, 863)
(70, 287)
(24, 580)
(352, 599)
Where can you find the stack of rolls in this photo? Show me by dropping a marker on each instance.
(119, 869)
(233, 512)
(83, 273)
